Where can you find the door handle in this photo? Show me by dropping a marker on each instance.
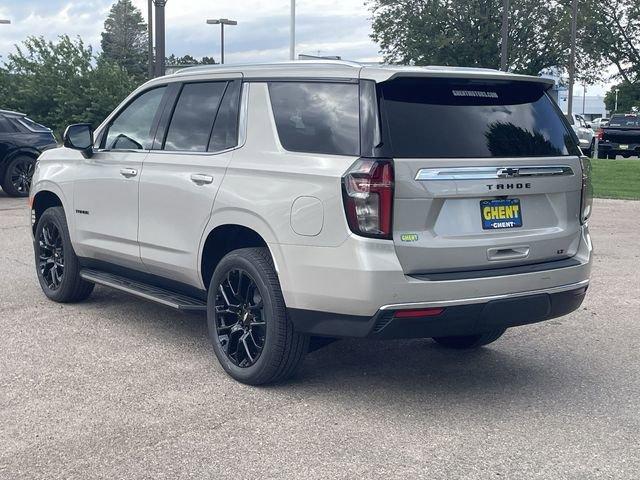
(128, 172)
(201, 179)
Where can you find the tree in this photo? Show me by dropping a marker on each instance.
(59, 83)
(612, 35)
(467, 33)
(124, 40)
(628, 97)
(172, 60)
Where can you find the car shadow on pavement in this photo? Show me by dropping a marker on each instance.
(360, 366)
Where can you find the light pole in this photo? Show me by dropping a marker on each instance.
(572, 58)
(584, 98)
(160, 54)
(150, 25)
(222, 22)
(615, 108)
(292, 31)
(505, 36)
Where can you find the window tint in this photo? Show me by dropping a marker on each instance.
(624, 121)
(193, 117)
(225, 130)
(131, 130)
(5, 126)
(317, 117)
(441, 118)
(33, 126)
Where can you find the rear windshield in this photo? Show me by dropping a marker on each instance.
(444, 118)
(624, 121)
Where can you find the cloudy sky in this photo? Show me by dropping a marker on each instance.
(328, 27)
(333, 27)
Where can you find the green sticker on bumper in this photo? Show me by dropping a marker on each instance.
(409, 237)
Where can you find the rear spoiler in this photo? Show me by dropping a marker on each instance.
(383, 74)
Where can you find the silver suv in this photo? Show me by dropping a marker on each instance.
(302, 201)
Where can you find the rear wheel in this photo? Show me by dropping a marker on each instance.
(602, 155)
(17, 177)
(462, 342)
(251, 334)
(57, 265)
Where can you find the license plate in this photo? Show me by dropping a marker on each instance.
(501, 213)
(624, 147)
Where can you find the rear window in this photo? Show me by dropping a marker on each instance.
(317, 117)
(444, 118)
(624, 121)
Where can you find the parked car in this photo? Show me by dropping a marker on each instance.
(620, 137)
(597, 123)
(586, 135)
(312, 200)
(21, 142)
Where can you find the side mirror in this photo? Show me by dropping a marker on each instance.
(589, 125)
(79, 137)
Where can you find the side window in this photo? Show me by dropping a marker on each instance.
(225, 130)
(131, 130)
(193, 117)
(5, 126)
(317, 117)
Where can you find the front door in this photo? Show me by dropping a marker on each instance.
(107, 184)
(181, 177)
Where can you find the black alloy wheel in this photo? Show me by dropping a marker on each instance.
(241, 322)
(21, 174)
(51, 255)
(251, 333)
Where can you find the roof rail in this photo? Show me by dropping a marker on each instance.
(288, 64)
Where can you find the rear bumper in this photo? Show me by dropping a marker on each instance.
(609, 147)
(482, 315)
(362, 276)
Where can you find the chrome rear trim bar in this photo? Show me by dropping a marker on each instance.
(492, 173)
(471, 301)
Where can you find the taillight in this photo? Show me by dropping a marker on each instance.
(600, 134)
(368, 197)
(587, 190)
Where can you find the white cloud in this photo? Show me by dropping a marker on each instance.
(335, 27)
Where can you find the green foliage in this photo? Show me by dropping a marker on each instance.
(59, 83)
(612, 35)
(468, 33)
(172, 60)
(628, 97)
(125, 37)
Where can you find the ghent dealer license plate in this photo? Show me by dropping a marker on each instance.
(501, 213)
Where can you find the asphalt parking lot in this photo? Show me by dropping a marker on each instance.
(120, 388)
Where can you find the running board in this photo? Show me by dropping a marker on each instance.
(144, 290)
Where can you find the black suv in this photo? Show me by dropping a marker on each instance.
(21, 142)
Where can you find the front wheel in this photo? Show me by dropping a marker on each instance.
(251, 334)
(462, 342)
(57, 265)
(17, 177)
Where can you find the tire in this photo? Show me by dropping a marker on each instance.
(612, 156)
(57, 265)
(465, 342)
(589, 151)
(252, 336)
(17, 176)
(602, 155)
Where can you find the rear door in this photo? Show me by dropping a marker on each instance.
(182, 174)
(487, 174)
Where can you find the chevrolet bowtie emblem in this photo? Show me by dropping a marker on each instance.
(507, 172)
